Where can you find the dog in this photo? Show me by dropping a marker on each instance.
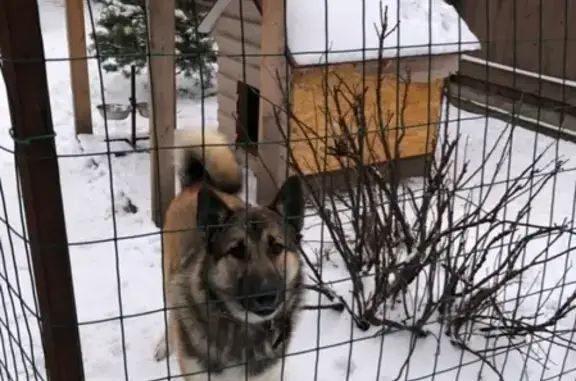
(233, 275)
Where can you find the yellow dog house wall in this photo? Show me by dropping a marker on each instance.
(418, 101)
(293, 52)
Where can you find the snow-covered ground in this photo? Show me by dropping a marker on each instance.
(122, 277)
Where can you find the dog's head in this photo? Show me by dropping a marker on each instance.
(252, 263)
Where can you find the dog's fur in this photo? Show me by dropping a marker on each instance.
(218, 250)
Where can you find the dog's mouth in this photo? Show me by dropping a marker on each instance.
(263, 304)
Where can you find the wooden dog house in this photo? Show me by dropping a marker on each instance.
(258, 73)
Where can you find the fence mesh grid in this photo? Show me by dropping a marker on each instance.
(450, 261)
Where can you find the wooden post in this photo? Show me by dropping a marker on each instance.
(162, 104)
(273, 89)
(79, 67)
(24, 73)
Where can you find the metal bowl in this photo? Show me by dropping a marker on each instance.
(143, 109)
(114, 111)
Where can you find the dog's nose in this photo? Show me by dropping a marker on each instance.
(263, 300)
(267, 299)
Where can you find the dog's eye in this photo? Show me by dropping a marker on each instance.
(238, 251)
(276, 248)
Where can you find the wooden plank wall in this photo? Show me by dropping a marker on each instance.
(233, 65)
(532, 35)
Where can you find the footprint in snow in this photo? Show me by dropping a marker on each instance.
(345, 364)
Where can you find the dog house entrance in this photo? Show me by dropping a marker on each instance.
(248, 113)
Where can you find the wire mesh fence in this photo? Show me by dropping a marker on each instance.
(411, 160)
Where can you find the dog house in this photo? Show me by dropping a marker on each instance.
(275, 54)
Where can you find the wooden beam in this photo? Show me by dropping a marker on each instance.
(162, 105)
(79, 66)
(24, 72)
(209, 21)
(274, 85)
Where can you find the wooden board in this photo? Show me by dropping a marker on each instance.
(273, 79)
(79, 78)
(163, 106)
(312, 107)
(232, 26)
(231, 46)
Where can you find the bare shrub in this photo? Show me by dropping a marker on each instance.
(435, 253)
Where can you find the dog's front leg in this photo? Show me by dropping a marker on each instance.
(162, 351)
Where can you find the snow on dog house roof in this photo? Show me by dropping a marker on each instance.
(347, 29)
(344, 31)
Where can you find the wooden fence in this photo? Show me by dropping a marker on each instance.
(536, 37)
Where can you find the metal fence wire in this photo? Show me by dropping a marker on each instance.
(386, 190)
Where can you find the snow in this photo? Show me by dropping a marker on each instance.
(349, 31)
(116, 258)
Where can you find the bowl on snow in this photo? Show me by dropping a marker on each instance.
(143, 109)
(114, 111)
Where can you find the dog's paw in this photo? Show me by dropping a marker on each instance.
(161, 350)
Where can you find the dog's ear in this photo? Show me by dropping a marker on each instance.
(211, 211)
(289, 202)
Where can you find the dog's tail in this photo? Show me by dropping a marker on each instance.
(206, 156)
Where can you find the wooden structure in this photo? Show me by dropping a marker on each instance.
(256, 77)
(80, 81)
(162, 105)
(24, 71)
(527, 53)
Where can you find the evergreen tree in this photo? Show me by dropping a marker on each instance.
(122, 39)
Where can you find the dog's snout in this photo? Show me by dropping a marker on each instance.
(268, 297)
(262, 297)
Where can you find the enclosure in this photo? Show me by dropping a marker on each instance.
(461, 272)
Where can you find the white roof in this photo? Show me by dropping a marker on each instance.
(423, 27)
